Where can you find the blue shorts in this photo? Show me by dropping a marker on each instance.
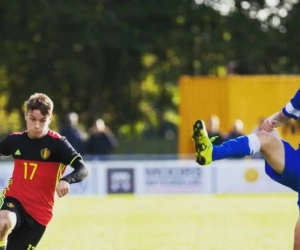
(290, 177)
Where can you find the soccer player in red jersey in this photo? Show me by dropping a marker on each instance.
(40, 159)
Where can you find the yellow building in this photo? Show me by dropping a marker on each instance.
(234, 97)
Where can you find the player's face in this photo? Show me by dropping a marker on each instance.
(37, 124)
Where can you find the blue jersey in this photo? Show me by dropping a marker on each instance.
(290, 176)
(292, 109)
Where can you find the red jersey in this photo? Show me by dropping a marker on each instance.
(38, 166)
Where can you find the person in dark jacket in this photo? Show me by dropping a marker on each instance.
(101, 142)
(72, 133)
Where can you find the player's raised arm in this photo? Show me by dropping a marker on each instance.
(290, 111)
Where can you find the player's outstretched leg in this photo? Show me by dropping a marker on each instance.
(206, 152)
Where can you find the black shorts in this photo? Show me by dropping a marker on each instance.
(27, 232)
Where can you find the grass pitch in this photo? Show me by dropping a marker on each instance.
(248, 222)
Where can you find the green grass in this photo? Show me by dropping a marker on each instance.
(246, 222)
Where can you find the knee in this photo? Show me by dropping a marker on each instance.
(7, 221)
(266, 139)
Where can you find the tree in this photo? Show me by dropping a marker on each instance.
(121, 60)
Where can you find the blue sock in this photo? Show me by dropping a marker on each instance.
(235, 148)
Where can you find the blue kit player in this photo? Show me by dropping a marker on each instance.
(282, 161)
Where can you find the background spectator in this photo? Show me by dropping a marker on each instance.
(236, 131)
(101, 142)
(72, 133)
(213, 129)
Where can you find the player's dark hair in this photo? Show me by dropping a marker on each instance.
(41, 102)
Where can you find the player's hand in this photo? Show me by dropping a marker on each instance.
(268, 125)
(63, 188)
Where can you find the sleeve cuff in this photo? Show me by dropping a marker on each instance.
(288, 114)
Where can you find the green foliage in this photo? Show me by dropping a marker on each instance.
(10, 121)
(121, 60)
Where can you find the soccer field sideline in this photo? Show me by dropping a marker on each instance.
(179, 222)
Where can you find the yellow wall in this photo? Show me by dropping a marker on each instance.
(236, 97)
